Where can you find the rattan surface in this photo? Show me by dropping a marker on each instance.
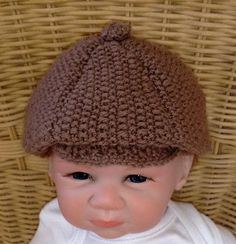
(34, 32)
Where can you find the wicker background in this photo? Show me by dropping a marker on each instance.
(34, 32)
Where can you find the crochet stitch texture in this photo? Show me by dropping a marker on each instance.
(116, 99)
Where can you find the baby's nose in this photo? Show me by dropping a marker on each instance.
(107, 197)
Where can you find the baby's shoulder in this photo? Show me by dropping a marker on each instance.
(50, 209)
(200, 226)
(53, 227)
(51, 213)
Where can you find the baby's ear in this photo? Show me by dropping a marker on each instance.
(186, 165)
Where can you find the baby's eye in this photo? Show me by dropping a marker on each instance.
(137, 178)
(80, 175)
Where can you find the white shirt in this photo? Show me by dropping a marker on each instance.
(182, 224)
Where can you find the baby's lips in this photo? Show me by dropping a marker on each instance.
(106, 224)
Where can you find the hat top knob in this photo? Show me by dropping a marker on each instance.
(116, 31)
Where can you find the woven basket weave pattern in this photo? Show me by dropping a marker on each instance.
(34, 32)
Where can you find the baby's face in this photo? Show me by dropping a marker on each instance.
(115, 200)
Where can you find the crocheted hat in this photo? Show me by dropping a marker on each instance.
(116, 99)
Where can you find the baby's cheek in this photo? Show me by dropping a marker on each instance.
(146, 219)
(147, 212)
(66, 201)
(70, 207)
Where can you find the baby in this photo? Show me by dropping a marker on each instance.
(120, 120)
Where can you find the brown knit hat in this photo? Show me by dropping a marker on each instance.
(116, 99)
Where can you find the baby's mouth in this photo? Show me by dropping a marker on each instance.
(106, 224)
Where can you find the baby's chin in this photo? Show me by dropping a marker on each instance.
(105, 233)
(115, 233)
(110, 234)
